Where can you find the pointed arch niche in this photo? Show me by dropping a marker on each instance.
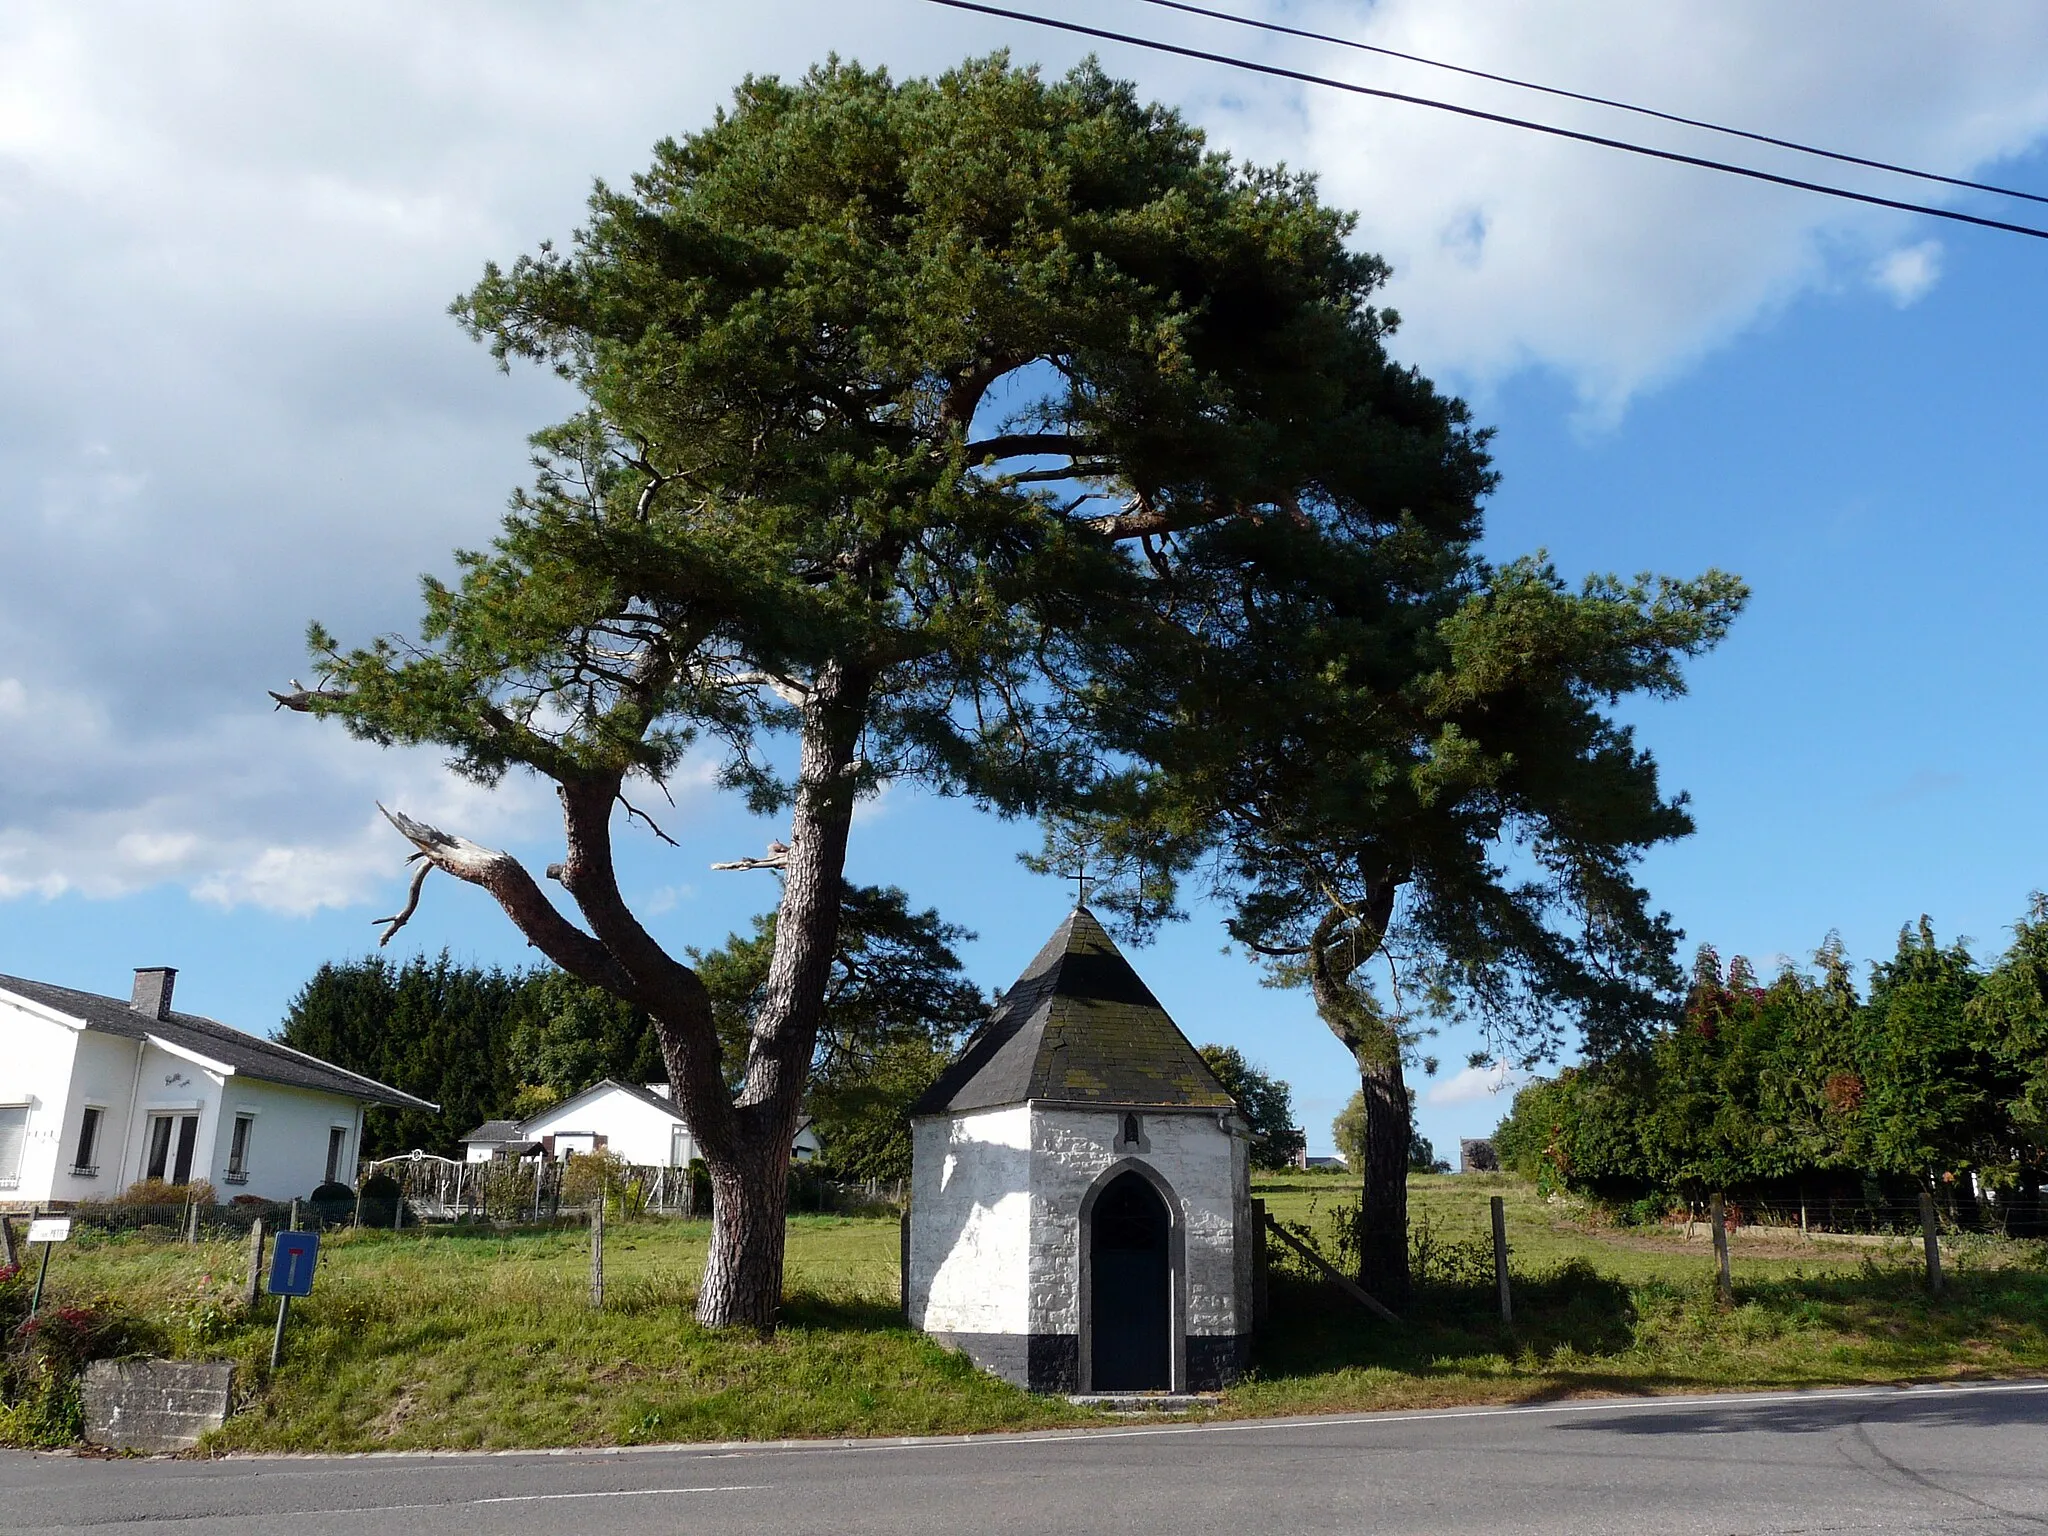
(1119, 1262)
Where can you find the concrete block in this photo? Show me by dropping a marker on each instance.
(155, 1405)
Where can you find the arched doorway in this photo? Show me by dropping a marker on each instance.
(1130, 1278)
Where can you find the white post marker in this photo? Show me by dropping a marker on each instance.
(49, 1231)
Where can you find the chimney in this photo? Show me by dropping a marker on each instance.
(153, 990)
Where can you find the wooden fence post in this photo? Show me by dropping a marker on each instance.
(1500, 1259)
(1930, 1235)
(597, 1251)
(191, 1221)
(295, 1215)
(253, 1289)
(1724, 1285)
(1330, 1272)
(9, 1256)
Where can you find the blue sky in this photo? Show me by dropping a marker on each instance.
(229, 402)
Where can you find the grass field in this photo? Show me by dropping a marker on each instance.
(471, 1340)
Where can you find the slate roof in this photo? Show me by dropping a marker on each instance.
(250, 1055)
(1078, 1027)
(496, 1132)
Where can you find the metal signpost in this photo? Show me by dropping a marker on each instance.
(49, 1231)
(292, 1257)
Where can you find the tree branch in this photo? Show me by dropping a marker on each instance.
(300, 698)
(524, 902)
(788, 689)
(1139, 517)
(635, 813)
(777, 858)
(412, 899)
(1014, 445)
(971, 383)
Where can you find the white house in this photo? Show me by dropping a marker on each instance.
(1080, 1206)
(642, 1124)
(97, 1093)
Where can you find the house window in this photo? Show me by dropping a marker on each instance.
(168, 1152)
(13, 1133)
(337, 1142)
(83, 1165)
(238, 1150)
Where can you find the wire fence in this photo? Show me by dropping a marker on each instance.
(1994, 1215)
(428, 1191)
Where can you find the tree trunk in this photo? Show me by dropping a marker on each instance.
(1383, 1211)
(1343, 941)
(750, 1177)
(743, 1269)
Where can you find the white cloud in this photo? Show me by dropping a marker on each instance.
(230, 400)
(1515, 251)
(1470, 1085)
(1908, 273)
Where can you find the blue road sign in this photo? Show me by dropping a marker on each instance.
(291, 1263)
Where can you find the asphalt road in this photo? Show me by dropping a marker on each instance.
(1947, 1459)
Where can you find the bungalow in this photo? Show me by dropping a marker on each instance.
(641, 1123)
(97, 1093)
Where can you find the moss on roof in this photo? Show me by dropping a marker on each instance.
(1079, 1026)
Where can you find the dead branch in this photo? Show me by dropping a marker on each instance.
(788, 689)
(777, 857)
(507, 880)
(299, 698)
(412, 900)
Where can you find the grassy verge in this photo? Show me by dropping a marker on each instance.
(487, 1341)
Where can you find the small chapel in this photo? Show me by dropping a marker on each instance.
(1080, 1207)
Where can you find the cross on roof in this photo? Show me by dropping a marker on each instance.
(1082, 880)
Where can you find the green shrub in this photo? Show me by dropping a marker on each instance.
(162, 1192)
(43, 1364)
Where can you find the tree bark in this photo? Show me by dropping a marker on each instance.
(746, 1137)
(1343, 942)
(750, 1171)
(1383, 1212)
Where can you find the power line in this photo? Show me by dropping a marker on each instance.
(1672, 155)
(1598, 101)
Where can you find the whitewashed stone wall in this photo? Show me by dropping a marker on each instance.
(1201, 1159)
(970, 1223)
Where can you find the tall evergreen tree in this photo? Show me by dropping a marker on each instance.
(1438, 711)
(565, 1034)
(2010, 1010)
(434, 1028)
(922, 425)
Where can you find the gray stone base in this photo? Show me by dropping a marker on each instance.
(1216, 1361)
(1037, 1362)
(154, 1405)
(1051, 1362)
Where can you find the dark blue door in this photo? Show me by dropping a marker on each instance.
(1130, 1304)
